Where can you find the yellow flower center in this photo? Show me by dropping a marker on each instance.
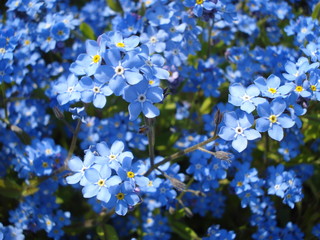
(49, 39)
(45, 164)
(120, 44)
(199, 1)
(96, 58)
(130, 174)
(2, 50)
(112, 157)
(27, 42)
(272, 90)
(299, 89)
(60, 32)
(239, 184)
(101, 182)
(313, 87)
(151, 82)
(120, 196)
(273, 118)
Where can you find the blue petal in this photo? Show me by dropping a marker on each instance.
(276, 132)
(103, 149)
(75, 164)
(75, 178)
(99, 101)
(117, 147)
(104, 195)
(262, 124)
(149, 110)
(90, 190)
(92, 175)
(285, 121)
(121, 208)
(252, 134)
(155, 94)
(227, 133)
(134, 110)
(240, 143)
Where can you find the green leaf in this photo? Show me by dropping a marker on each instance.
(183, 230)
(115, 5)
(316, 12)
(10, 189)
(206, 106)
(107, 232)
(87, 31)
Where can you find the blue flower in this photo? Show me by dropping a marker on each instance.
(122, 71)
(199, 5)
(237, 129)
(76, 165)
(122, 198)
(272, 118)
(112, 156)
(133, 172)
(154, 39)
(67, 89)
(245, 98)
(93, 90)
(88, 63)
(141, 98)
(271, 87)
(115, 40)
(60, 31)
(99, 181)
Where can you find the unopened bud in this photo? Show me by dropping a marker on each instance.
(58, 113)
(218, 117)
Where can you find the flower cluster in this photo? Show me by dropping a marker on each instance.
(229, 94)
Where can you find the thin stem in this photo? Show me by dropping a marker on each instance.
(181, 153)
(73, 141)
(151, 138)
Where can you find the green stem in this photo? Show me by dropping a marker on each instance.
(151, 138)
(181, 153)
(73, 141)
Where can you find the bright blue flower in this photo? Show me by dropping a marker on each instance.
(153, 64)
(141, 98)
(271, 87)
(158, 14)
(115, 40)
(154, 39)
(237, 129)
(199, 5)
(99, 181)
(67, 89)
(315, 84)
(277, 186)
(60, 31)
(46, 40)
(295, 70)
(112, 156)
(5, 49)
(122, 72)
(272, 119)
(133, 172)
(94, 91)
(88, 63)
(245, 98)
(312, 50)
(122, 198)
(76, 165)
